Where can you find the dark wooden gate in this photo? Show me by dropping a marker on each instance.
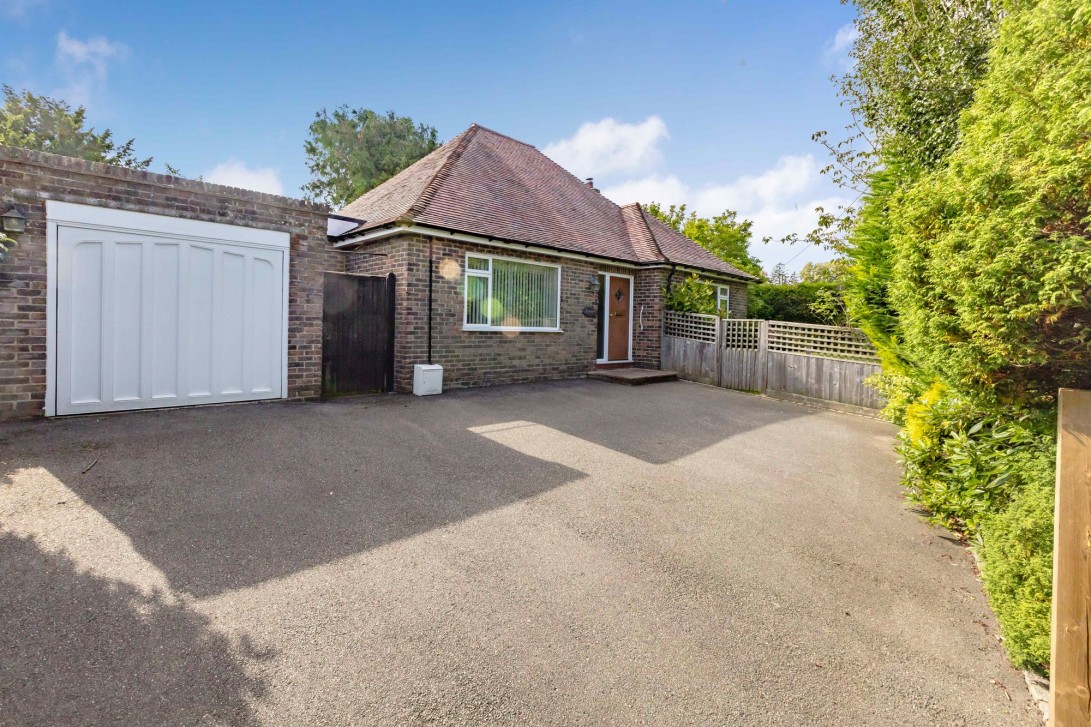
(357, 334)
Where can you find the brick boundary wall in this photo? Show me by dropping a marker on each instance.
(30, 178)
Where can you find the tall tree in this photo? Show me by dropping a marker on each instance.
(30, 121)
(916, 64)
(832, 271)
(351, 151)
(723, 235)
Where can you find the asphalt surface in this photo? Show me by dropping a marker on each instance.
(569, 553)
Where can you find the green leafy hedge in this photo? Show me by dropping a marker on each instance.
(797, 302)
(974, 280)
(1018, 553)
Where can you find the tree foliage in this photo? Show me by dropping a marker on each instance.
(797, 302)
(30, 121)
(992, 253)
(724, 235)
(831, 271)
(351, 151)
(916, 64)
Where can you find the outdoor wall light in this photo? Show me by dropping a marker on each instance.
(13, 221)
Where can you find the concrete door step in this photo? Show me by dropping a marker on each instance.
(632, 377)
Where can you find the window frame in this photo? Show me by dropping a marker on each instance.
(723, 300)
(467, 273)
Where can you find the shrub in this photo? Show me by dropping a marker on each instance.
(963, 462)
(796, 302)
(1017, 550)
(899, 391)
(691, 295)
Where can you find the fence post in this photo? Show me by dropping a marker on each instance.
(1069, 674)
(720, 324)
(763, 356)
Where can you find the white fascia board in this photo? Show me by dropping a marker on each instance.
(84, 215)
(704, 273)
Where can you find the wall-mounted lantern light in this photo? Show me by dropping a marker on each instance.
(13, 221)
(594, 281)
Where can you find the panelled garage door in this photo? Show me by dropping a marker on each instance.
(152, 311)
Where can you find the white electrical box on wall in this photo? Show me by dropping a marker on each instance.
(427, 379)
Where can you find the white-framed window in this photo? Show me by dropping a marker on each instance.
(723, 300)
(506, 294)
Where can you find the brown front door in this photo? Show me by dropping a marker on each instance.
(617, 328)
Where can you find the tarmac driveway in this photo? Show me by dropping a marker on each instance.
(577, 552)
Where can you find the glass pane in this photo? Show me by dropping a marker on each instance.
(477, 300)
(723, 296)
(526, 293)
(477, 263)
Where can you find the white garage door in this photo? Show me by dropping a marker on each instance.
(153, 311)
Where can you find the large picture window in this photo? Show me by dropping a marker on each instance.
(511, 295)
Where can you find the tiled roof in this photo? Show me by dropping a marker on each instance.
(488, 184)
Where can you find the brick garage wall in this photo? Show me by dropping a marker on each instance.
(481, 358)
(31, 178)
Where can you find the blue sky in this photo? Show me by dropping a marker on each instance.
(710, 102)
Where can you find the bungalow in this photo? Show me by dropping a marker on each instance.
(510, 269)
(130, 290)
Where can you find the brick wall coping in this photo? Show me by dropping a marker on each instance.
(167, 181)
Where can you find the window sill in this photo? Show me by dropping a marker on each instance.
(509, 329)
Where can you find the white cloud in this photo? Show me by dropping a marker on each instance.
(837, 49)
(19, 9)
(85, 64)
(779, 201)
(653, 188)
(609, 146)
(235, 173)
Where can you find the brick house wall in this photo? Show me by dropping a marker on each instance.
(648, 317)
(484, 358)
(739, 301)
(31, 178)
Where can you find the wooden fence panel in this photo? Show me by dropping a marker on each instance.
(1069, 671)
(823, 378)
(741, 360)
(825, 363)
(740, 368)
(690, 359)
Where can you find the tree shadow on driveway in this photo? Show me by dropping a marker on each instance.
(80, 649)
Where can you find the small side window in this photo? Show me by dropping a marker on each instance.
(723, 300)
